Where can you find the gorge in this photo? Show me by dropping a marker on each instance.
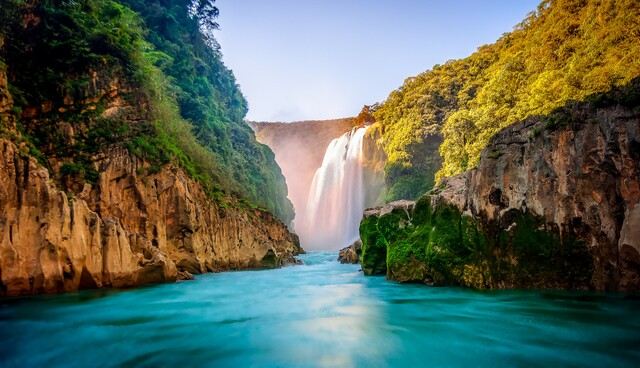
(488, 209)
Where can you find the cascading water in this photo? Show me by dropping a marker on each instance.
(336, 197)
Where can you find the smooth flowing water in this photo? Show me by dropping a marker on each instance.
(318, 315)
(336, 197)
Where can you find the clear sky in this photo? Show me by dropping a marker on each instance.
(306, 60)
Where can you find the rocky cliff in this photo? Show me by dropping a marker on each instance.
(554, 203)
(80, 209)
(127, 229)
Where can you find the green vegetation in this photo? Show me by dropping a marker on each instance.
(161, 58)
(565, 50)
(374, 248)
(441, 246)
(437, 244)
(495, 154)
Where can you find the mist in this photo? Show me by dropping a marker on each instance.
(332, 220)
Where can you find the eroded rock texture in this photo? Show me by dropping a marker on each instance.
(554, 203)
(580, 180)
(126, 230)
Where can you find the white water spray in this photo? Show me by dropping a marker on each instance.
(336, 197)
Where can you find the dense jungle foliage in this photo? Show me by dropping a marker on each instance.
(165, 51)
(565, 50)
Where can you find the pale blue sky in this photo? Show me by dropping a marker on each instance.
(303, 60)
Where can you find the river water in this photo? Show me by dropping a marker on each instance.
(322, 314)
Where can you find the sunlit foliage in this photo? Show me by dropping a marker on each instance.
(565, 50)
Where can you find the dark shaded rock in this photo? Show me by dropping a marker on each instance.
(189, 264)
(153, 272)
(270, 260)
(289, 260)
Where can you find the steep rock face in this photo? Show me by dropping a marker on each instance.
(582, 181)
(554, 203)
(129, 229)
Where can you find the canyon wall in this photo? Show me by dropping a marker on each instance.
(553, 203)
(135, 223)
(299, 148)
(128, 229)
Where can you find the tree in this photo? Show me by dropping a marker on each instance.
(206, 13)
(565, 50)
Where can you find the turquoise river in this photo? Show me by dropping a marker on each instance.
(322, 314)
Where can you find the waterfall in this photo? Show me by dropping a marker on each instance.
(336, 197)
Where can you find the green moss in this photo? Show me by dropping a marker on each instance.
(374, 247)
(401, 248)
(543, 258)
(495, 154)
(450, 239)
(402, 252)
(444, 247)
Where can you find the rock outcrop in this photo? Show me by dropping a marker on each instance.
(554, 203)
(372, 227)
(131, 228)
(351, 254)
(103, 184)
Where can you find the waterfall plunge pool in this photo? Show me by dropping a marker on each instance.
(322, 314)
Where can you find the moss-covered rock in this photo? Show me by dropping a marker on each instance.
(374, 248)
(384, 231)
(559, 207)
(433, 242)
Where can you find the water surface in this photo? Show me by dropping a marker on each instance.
(323, 314)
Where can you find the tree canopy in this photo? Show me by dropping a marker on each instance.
(564, 50)
(166, 50)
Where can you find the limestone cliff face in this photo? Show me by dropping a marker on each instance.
(89, 195)
(129, 229)
(582, 181)
(554, 202)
